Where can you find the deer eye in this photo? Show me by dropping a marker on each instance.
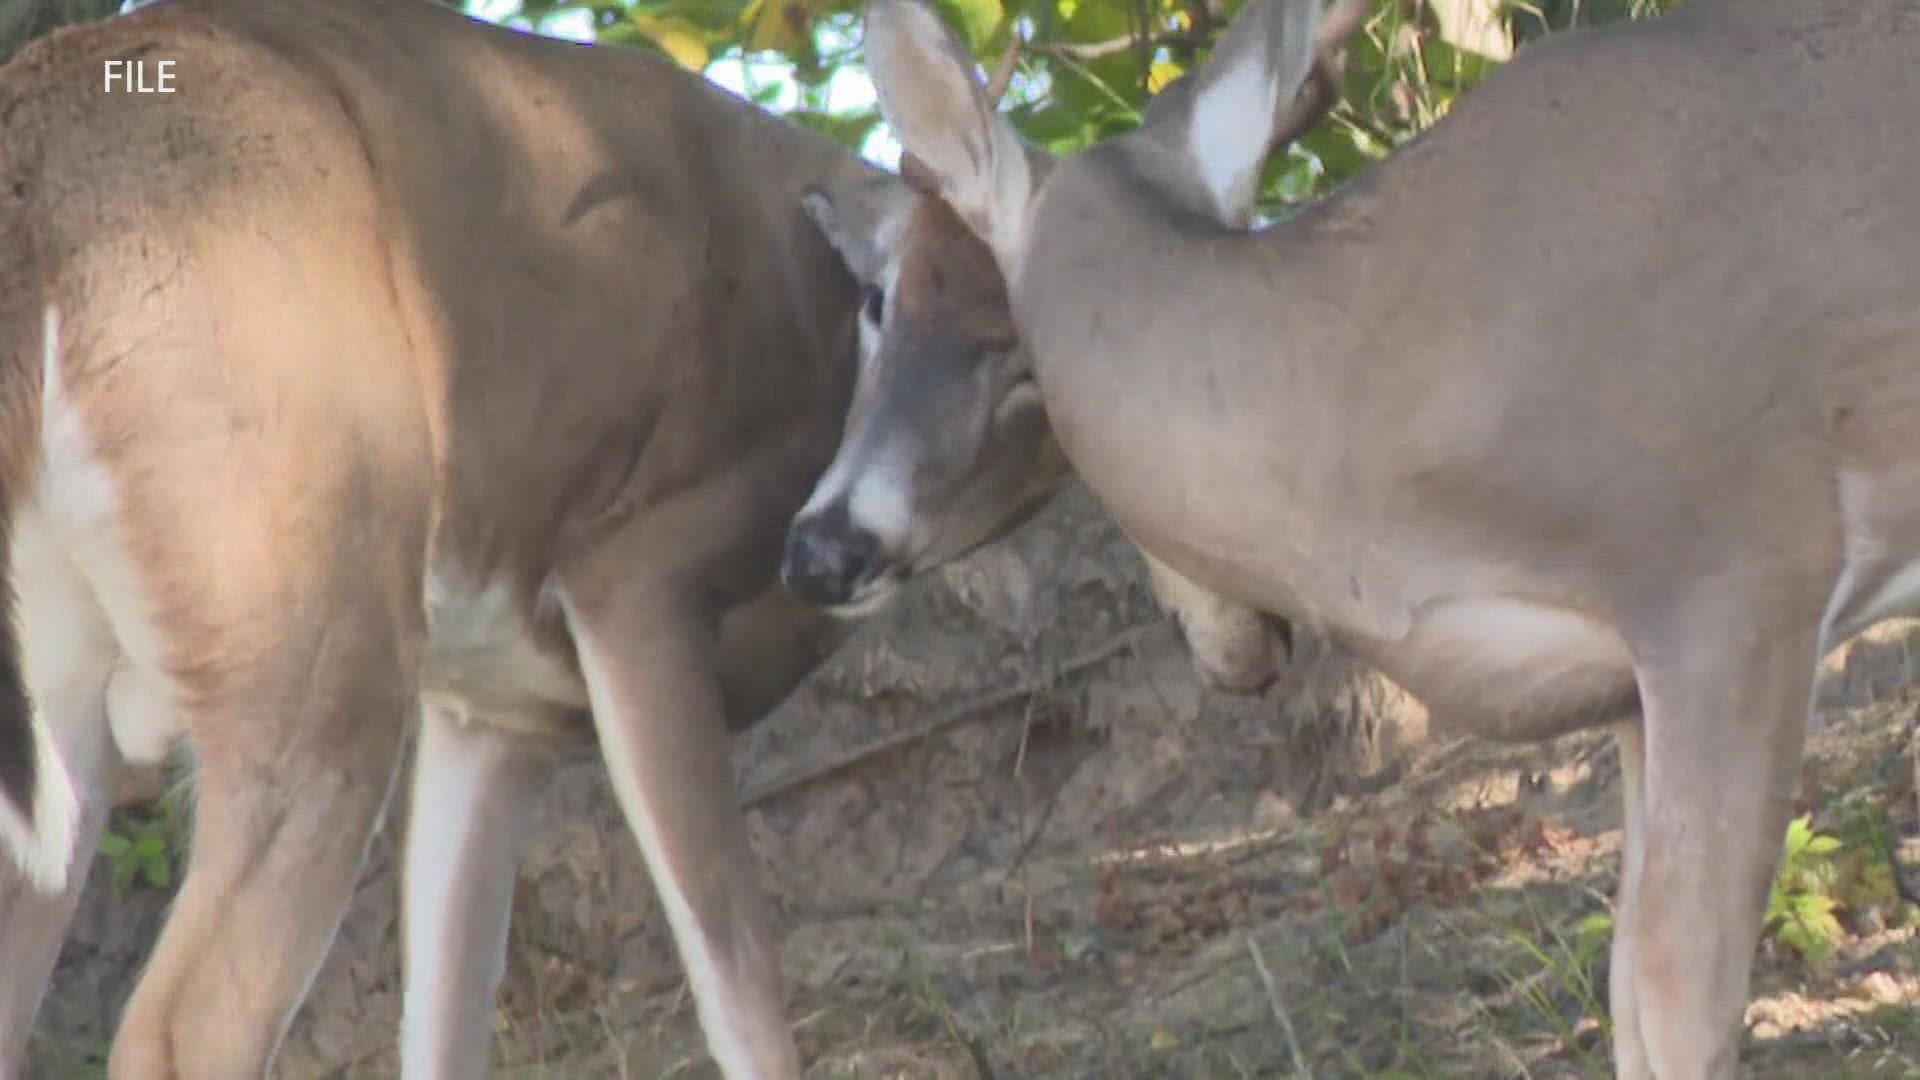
(876, 302)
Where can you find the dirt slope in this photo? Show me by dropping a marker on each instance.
(1063, 886)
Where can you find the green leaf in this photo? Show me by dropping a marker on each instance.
(978, 20)
(778, 25)
(1091, 21)
(1798, 831)
(1592, 936)
(686, 43)
(1810, 928)
(1160, 73)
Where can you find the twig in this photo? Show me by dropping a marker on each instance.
(1300, 1069)
(1095, 50)
(765, 791)
(1079, 67)
(1002, 76)
(1033, 835)
(1169, 852)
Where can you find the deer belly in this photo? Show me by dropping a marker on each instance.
(1514, 669)
(484, 664)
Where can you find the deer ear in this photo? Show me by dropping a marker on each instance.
(939, 111)
(862, 220)
(1238, 98)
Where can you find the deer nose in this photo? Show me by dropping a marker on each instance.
(828, 558)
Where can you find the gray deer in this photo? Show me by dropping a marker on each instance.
(1596, 404)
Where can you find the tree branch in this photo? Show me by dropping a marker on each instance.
(767, 790)
(1095, 50)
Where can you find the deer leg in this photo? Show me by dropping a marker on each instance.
(33, 925)
(474, 786)
(1725, 728)
(1629, 1048)
(647, 654)
(1235, 648)
(297, 757)
(70, 653)
(767, 646)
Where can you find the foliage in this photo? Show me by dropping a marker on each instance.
(141, 849)
(1088, 66)
(1800, 907)
(1561, 970)
(1802, 903)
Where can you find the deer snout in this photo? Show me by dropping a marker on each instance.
(829, 560)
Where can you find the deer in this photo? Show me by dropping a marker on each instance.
(396, 381)
(927, 319)
(1590, 407)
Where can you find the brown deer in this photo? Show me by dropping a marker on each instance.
(1594, 405)
(397, 360)
(927, 320)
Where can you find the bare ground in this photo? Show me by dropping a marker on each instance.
(1109, 873)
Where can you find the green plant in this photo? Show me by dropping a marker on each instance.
(1591, 939)
(1565, 966)
(142, 848)
(1088, 66)
(1801, 905)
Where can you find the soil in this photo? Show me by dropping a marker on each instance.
(1117, 874)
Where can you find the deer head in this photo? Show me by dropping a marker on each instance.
(946, 445)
